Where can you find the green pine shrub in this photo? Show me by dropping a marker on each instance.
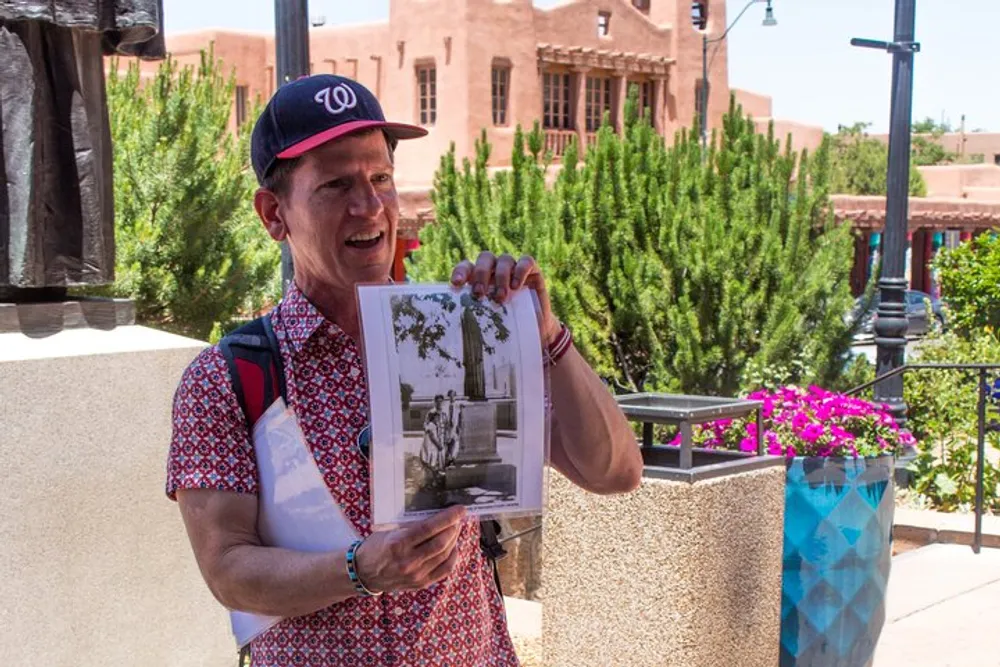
(675, 273)
(191, 251)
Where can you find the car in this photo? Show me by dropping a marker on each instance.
(920, 321)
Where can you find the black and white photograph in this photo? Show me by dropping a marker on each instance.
(456, 395)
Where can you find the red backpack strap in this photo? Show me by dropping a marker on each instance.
(255, 369)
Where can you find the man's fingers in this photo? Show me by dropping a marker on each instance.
(503, 274)
(420, 532)
(445, 568)
(523, 270)
(482, 273)
(439, 544)
(461, 274)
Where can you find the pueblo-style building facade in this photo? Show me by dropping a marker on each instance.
(459, 67)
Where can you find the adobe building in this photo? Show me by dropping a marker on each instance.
(460, 66)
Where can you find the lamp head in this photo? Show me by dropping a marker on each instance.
(769, 19)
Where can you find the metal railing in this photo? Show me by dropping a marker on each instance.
(982, 430)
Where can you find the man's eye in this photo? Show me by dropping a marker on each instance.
(337, 183)
(382, 178)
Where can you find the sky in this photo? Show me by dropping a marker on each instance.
(805, 63)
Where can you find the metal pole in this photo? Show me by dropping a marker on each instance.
(703, 121)
(977, 540)
(891, 325)
(291, 39)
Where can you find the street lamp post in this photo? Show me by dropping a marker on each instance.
(769, 21)
(891, 322)
(291, 38)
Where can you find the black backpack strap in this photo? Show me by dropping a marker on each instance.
(255, 367)
(489, 542)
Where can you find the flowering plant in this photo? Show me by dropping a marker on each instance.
(809, 422)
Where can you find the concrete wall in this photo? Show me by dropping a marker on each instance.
(976, 182)
(673, 574)
(95, 566)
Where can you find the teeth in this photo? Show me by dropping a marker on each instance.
(371, 236)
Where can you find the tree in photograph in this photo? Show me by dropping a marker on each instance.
(674, 272)
(191, 252)
(424, 319)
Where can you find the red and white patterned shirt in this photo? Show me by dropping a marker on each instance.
(458, 621)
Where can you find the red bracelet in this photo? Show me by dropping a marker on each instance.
(559, 346)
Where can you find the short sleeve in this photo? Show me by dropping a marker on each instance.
(210, 446)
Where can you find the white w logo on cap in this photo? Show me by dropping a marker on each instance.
(337, 99)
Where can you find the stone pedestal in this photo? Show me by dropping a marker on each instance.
(478, 440)
(499, 477)
(95, 565)
(45, 319)
(678, 573)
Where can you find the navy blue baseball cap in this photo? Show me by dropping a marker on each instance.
(312, 111)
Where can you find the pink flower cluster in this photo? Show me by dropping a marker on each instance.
(809, 422)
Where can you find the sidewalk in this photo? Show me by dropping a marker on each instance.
(943, 609)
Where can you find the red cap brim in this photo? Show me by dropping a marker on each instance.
(397, 130)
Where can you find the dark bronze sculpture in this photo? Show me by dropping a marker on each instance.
(56, 197)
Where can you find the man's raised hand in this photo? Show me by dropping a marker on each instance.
(499, 277)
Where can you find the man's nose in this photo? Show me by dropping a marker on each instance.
(365, 202)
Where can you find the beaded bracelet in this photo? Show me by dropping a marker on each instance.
(559, 347)
(352, 572)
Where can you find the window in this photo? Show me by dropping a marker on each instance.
(646, 102)
(242, 105)
(427, 94)
(603, 24)
(500, 93)
(598, 101)
(699, 14)
(555, 101)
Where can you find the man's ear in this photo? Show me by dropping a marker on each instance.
(268, 208)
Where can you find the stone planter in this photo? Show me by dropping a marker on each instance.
(685, 571)
(837, 555)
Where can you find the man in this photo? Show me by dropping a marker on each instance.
(422, 594)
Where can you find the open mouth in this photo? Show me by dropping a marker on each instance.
(365, 241)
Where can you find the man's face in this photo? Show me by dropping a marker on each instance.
(438, 402)
(341, 212)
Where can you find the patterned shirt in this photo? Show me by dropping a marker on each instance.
(457, 621)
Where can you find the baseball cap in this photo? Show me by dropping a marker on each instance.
(312, 111)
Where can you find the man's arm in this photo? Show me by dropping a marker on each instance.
(246, 576)
(592, 442)
(218, 503)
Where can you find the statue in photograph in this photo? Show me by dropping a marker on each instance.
(56, 196)
(472, 353)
